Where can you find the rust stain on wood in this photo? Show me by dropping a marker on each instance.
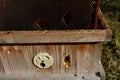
(19, 61)
(1, 49)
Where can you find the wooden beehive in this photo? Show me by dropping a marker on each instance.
(82, 45)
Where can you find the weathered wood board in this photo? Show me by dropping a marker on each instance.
(16, 61)
(54, 36)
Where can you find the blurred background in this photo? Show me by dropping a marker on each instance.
(111, 50)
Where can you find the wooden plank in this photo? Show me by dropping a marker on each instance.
(53, 51)
(27, 54)
(71, 51)
(24, 55)
(97, 51)
(63, 36)
(38, 76)
(54, 77)
(87, 59)
(12, 60)
(5, 62)
(17, 61)
(105, 25)
(79, 58)
(61, 52)
(96, 13)
(1, 65)
(21, 61)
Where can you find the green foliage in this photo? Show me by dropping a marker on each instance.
(111, 50)
(111, 9)
(111, 56)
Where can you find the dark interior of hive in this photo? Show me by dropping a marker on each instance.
(46, 14)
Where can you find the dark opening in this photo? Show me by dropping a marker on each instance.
(42, 64)
(67, 61)
(46, 14)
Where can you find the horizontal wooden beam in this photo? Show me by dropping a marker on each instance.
(53, 36)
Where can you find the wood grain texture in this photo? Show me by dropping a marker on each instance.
(67, 36)
(1, 65)
(17, 61)
(53, 77)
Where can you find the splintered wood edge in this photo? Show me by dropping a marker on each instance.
(54, 36)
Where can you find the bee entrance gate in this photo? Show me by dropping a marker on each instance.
(42, 41)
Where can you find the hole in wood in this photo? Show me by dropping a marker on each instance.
(75, 75)
(67, 61)
(98, 74)
(42, 64)
(83, 77)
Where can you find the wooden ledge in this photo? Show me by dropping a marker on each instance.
(54, 36)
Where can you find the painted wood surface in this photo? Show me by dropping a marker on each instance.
(16, 61)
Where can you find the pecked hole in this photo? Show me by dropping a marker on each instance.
(67, 61)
